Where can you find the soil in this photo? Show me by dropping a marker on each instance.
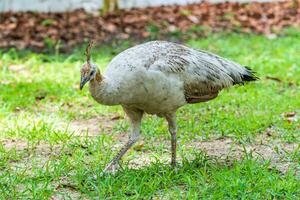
(223, 149)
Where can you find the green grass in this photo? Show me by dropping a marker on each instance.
(42, 157)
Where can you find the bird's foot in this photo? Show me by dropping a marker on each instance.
(173, 164)
(174, 167)
(111, 168)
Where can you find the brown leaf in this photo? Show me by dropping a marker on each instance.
(117, 117)
(29, 29)
(139, 147)
(193, 19)
(40, 96)
(11, 26)
(273, 78)
(111, 28)
(289, 114)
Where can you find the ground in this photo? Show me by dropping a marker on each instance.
(55, 139)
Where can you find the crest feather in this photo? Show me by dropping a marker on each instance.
(88, 53)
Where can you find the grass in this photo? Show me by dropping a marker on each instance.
(42, 156)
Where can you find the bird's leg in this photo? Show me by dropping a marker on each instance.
(171, 118)
(135, 117)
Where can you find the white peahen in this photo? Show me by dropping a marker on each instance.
(159, 77)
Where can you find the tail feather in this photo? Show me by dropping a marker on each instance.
(250, 75)
(247, 76)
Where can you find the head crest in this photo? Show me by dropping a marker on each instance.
(88, 52)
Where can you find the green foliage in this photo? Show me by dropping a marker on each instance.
(110, 6)
(47, 22)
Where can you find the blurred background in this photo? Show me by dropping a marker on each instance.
(48, 24)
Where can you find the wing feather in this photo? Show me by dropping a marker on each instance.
(202, 73)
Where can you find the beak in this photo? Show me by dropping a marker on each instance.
(83, 81)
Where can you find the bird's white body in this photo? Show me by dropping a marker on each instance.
(150, 91)
(157, 77)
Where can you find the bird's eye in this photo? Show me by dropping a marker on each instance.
(91, 73)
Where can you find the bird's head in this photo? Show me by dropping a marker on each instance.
(88, 70)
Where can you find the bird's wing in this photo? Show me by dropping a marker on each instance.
(203, 74)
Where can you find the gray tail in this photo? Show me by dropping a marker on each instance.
(250, 75)
(247, 76)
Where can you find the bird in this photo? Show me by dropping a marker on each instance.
(157, 78)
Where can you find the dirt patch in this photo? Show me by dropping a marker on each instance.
(90, 127)
(143, 160)
(29, 154)
(23, 145)
(227, 149)
(273, 150)
(219, 147)
(94, 126)
(18, 144)
(64, 189)
(224, 149)
(67, 193)
(20, 70)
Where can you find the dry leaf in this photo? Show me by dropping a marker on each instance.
(43, 30)
(139, 146)
(116, 117)
(273, 78)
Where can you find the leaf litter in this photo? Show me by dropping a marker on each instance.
(40, 31)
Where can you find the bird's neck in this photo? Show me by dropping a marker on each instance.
(103, 91)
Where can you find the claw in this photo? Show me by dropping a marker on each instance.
(111, 168)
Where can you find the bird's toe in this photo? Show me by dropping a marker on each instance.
(111, 168)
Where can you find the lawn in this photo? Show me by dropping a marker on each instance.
(55, 139)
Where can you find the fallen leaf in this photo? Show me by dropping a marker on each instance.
(273, 78)
(43, 30)
(290, 117)
(289, 114)
(40, 96)
(116, 117)
(17, 109)
(139, 146)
